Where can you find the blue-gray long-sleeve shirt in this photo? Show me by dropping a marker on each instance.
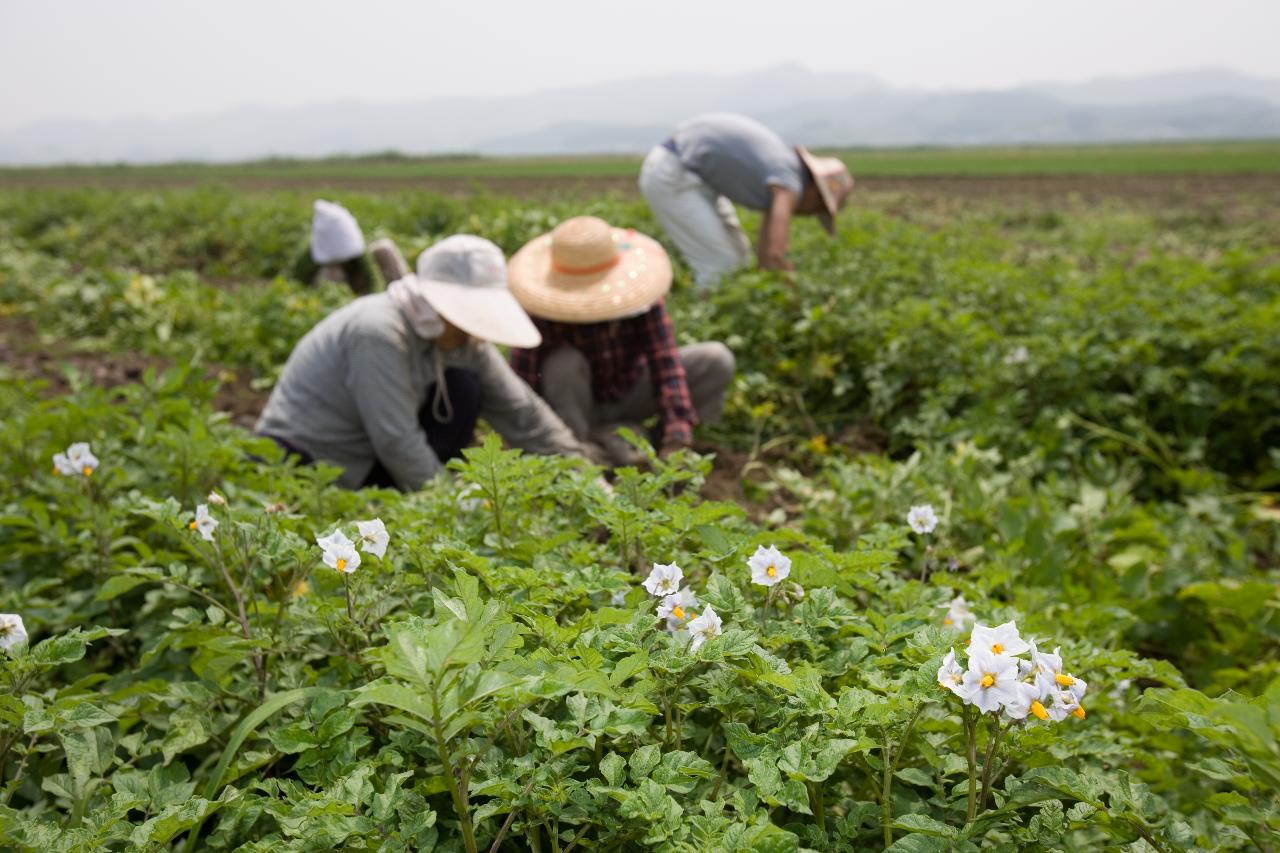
(352, 388)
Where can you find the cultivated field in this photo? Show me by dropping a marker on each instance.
(1071, 355)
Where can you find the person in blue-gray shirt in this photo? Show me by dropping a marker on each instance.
(693, 180)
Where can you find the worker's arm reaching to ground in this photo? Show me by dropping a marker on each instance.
(775, 229)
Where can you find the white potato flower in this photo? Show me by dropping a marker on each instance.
(470, 499)
(1027, 700)
(705, 627)
(991, 681)
(1017, 355)
(62, 465)
(1044, 666)
(950, 675)
(664, 580)
(922, 518)
(1066, 701)
(769, 566)
(1000, 640)
(12, 631)
(77, 461)
(216, 499)
(204, 524)
(678, 609)
(958, 614)
(373, 537)
(339, 552)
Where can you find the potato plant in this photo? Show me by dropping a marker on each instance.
(1038, 612)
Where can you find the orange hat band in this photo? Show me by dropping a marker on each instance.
(600, 267)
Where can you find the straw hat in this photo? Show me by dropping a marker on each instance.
(834, 183)
(586, 271)
(464, 278)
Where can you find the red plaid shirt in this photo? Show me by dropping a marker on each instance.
(618, 351)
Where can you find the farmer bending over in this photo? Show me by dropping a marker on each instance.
(608, 355)
(692, 181)
(390, 386)
(336, 251)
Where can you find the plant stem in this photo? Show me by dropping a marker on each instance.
(886, 790)
(511, 816)
(22, 765)
(577, 838)
(1146, 835)
(768, 600)
(817, 806)
(992, 745)
(346, 584)
(906, 735)
(497, 506)
(458, 795)
(971, 735)
(724, 772)
(243, 618)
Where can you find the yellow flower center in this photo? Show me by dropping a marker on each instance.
(342, 564)
(997, 648)
(87, 470)
(693, 615)
(988, 679)
(1039, 711)
(192, 525)
(771, 572)
(1078, 712)
(677, 612)
(1064, 680)
(55, 470)
(946, 621)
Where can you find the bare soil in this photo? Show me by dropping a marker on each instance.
(25, 354)
(1203, 189)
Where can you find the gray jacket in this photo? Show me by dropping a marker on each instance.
(352, 387)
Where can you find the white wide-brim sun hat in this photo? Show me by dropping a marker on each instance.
(586, 271)
(464, 277)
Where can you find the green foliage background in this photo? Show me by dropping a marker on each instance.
(499, 677)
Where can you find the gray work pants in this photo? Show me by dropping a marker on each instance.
(566, 386)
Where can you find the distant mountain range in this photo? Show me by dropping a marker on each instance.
(819, 109)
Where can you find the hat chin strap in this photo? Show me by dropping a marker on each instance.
(441, 406)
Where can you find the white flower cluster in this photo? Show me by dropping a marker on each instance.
(678, 605)
(997, 679)
(12, 631)
(339, 552)
(78, 461)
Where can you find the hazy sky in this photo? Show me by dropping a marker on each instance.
(100, 59)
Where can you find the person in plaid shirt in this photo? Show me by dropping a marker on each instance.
(608, 356)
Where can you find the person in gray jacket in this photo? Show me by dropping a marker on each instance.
(390, 386)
